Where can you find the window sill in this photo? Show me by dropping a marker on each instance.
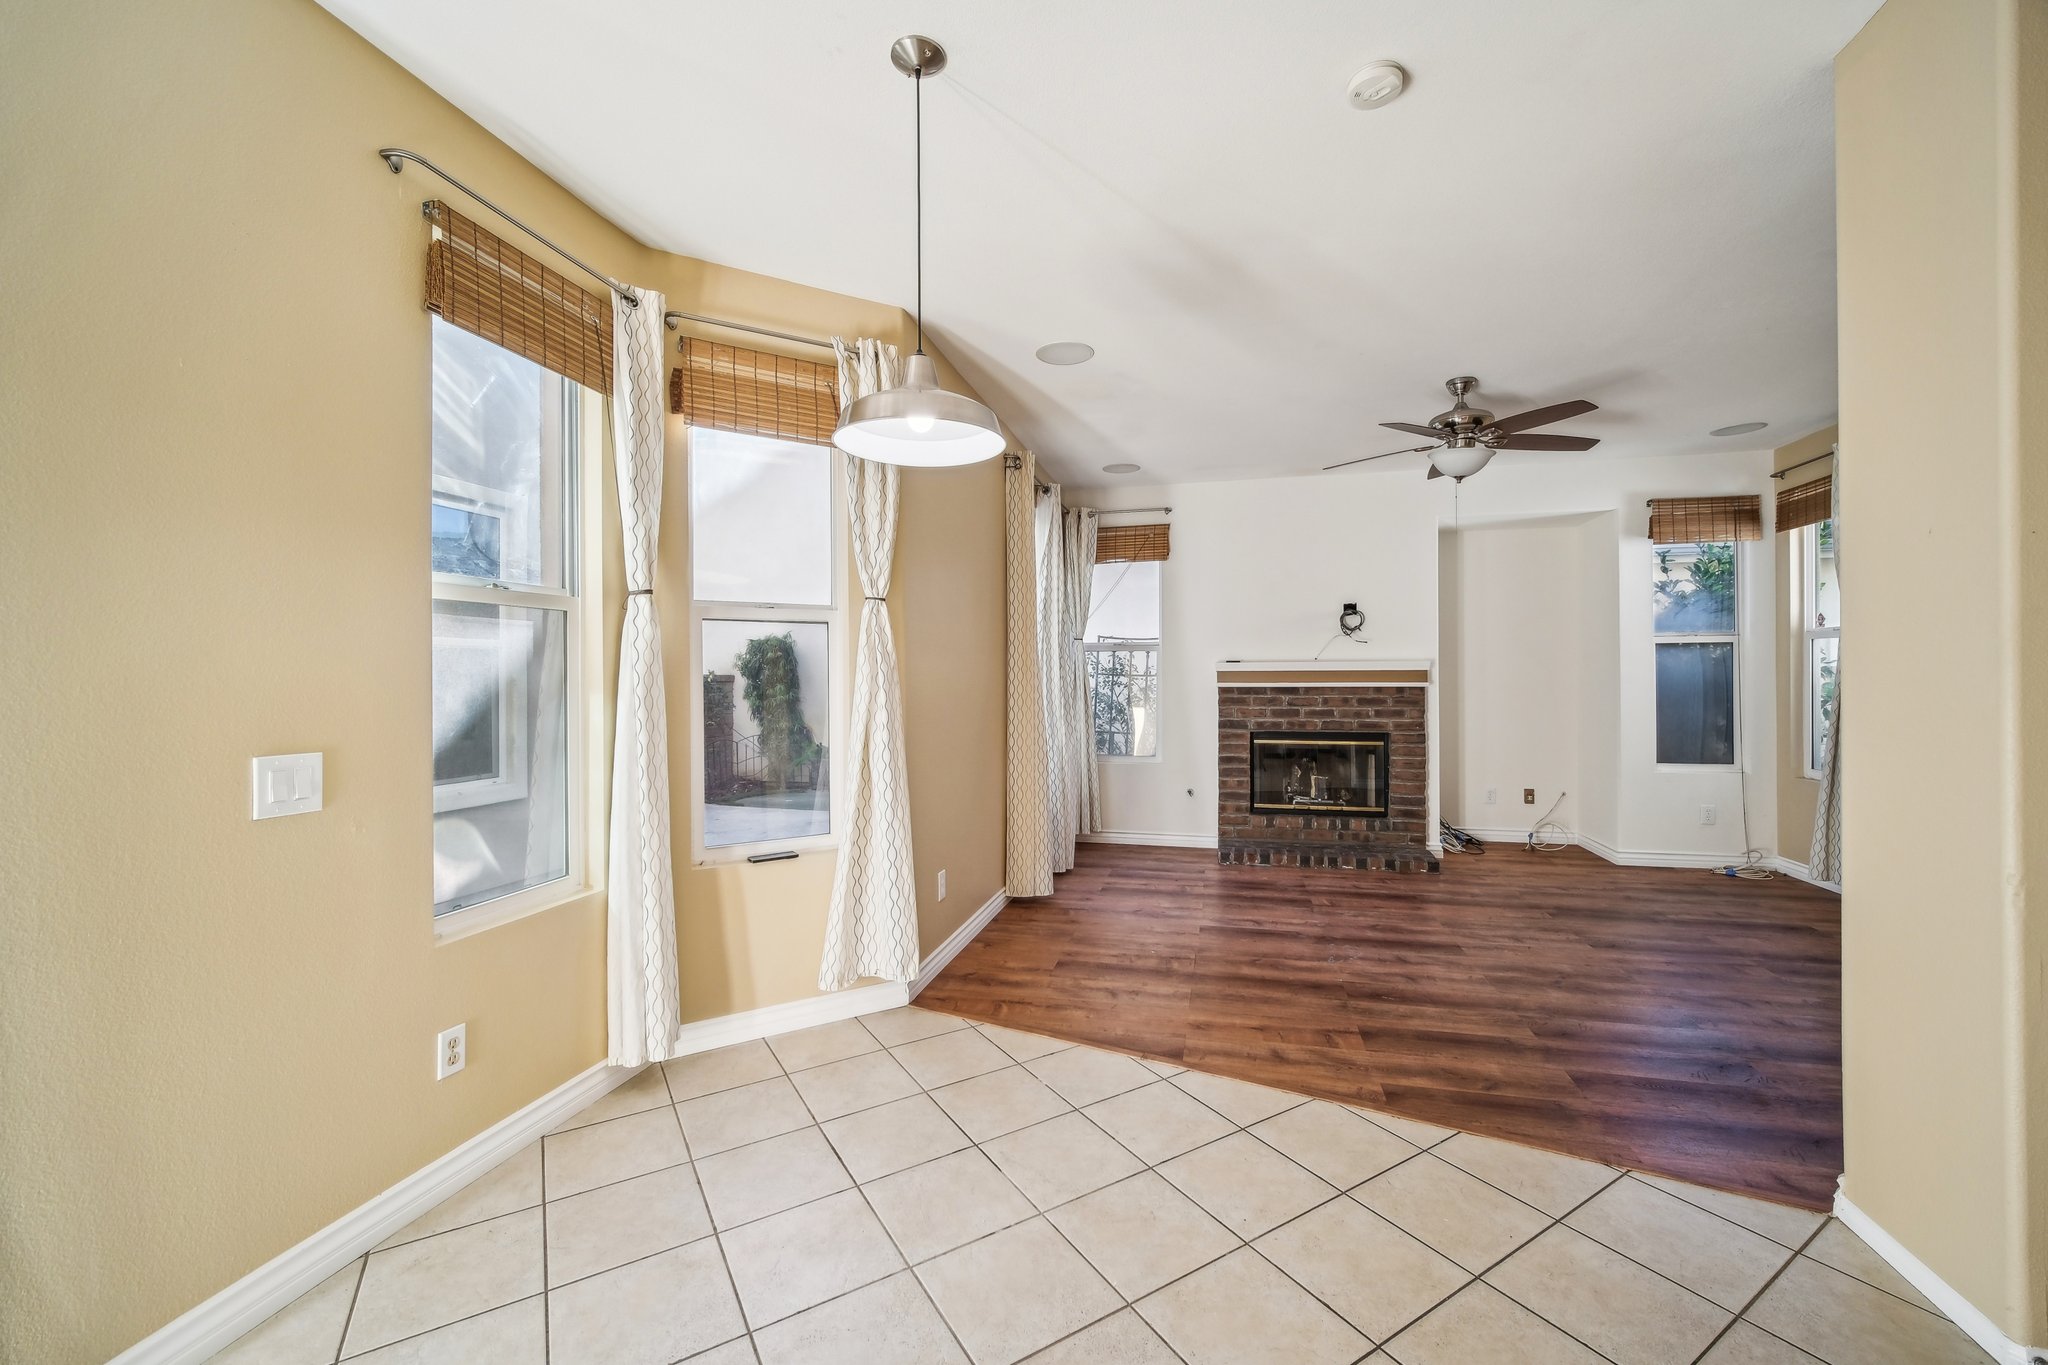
(739, 853)
(1127, 758)
(460, 924)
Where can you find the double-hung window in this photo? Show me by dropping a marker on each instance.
(508, 629)
(1821, 601)
(765, 572)
(1695, 631)
(1121, 646)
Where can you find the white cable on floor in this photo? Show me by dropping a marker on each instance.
(1751, 868)
(1558, 836)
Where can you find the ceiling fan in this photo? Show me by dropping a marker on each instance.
(1464, 439)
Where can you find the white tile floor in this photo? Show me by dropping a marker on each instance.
(910, 1188)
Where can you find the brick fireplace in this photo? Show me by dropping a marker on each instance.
(1324, 768)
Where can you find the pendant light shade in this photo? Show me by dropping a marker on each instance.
(919, 423)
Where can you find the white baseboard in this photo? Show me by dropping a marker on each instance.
(935, 961)
(206, 1329)
(1514, 837)
(812, 1010)
(1801, 872)
(1148, 839)
(1954, 1306)
(1647, 857)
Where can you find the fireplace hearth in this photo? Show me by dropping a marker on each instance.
(1322, 770)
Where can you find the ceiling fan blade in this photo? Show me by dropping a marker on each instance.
(1435, 473)
(1363, 458)
(1547, 443)
(1414, 430)
(1538, 417)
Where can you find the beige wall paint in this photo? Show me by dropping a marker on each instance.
(1943, 285)
(1797, 793)
(212, 523)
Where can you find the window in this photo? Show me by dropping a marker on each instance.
(764, 568)
(507, 628)
(1694, 629)
(1821, 601)
(1121, 643)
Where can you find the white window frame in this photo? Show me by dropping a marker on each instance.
(1733, 639)
(583, 437)
(1809, 597)
(838, 662)
(1157, 647)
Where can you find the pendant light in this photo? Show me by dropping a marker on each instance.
(918, 422)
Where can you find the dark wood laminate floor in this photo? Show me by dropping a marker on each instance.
(1663, 1019)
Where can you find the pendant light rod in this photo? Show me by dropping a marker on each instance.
(917, 56)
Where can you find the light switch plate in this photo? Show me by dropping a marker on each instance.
(286, 784)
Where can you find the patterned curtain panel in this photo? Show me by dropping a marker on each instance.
(642, 1007)
(871, 926)
(1825, 859)
(1050, 536)
(1078, 734)
(1028, 844)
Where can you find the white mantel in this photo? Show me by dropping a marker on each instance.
(1324, 672)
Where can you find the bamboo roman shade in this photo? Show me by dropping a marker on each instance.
(479, 282)
(1119, 544)
(1687, 521)
(1807, 505)
(730, 388)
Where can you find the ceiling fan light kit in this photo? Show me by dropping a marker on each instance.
(919, 423)
(1465, 437)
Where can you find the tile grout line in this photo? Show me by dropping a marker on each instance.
(1639, 1176)
(1765, 1288)
(356, 1292)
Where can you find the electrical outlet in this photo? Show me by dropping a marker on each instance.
(1492, 795)
(1528, 796)
(1707, 815)
(451, 1051)
(942, 883)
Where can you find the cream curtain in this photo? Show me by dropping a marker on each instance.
(1050, 538)
(1824, 861)
(1028, 857)
(871, 926)
(642, 1008)
(1078, 734)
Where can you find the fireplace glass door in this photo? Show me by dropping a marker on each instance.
(1343, 774)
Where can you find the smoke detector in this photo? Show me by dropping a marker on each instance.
(1380, 83)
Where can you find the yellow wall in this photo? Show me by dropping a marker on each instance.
(1943, 254)
(214, 1034)
(1797, 793)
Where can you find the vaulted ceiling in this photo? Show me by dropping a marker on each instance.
(1623, 200)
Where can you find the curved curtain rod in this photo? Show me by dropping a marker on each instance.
(396, 157)
(672, 318)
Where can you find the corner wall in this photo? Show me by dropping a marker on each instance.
(214, 376)
(1942, 223)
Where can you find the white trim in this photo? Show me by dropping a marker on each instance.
(1657, 857)
(935, 961)
(1149, 839)
(1344, 665)
(1952, 1305)
(812, 1010)
(1515, 837)
(1800, 872)
(202, 1331)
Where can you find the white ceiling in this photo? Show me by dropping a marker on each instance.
(1629, 201)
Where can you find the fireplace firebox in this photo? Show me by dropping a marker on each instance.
(1311, 773)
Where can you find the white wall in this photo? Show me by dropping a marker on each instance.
(1520, 573)
(1545, 646)
(1259, 570)
(1514, 633)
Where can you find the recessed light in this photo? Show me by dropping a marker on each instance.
(1739, 429)
(1066, 352)
(1120, 469)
